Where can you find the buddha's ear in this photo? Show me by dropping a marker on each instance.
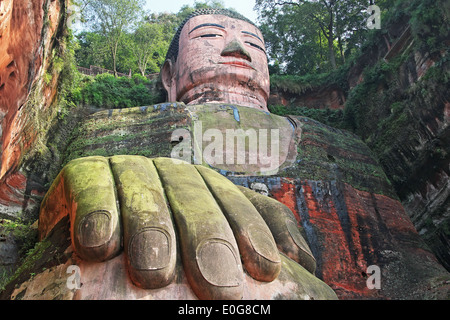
(168, 80)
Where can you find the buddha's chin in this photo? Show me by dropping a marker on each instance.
(229, 95)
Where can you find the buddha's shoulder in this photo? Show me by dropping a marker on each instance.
(192, 110)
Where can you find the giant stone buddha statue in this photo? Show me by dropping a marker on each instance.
(171, 218)
(197, 216)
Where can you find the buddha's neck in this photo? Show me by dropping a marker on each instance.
(209, 94)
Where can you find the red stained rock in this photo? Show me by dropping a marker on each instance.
(9, 192)
(286, 195)
(349, 230)
(24, 42)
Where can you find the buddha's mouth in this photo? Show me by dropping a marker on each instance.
(239, 64)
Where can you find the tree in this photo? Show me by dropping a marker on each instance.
(149, 46)
(291, 42)
(112, 19)
(315, 24)
(91, 50)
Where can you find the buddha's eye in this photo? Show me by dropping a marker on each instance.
(255, 46)
(210, 35)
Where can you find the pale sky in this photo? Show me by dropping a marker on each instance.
(244, 7)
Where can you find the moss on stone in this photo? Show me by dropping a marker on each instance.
(135, 131)
(326, 153)
(309, 286)
(28, 263)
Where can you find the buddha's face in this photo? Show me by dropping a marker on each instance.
(220, 60)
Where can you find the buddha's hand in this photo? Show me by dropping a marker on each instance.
(149, 201)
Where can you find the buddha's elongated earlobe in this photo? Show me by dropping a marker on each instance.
(168, 80)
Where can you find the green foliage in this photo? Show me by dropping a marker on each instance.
(91, 50)
(107, 91)
(364, 104)
(307, 36)
(112, 19)
(25, 237)
(297, 84)
(334, 118)
(149, 46)
(32, 256)
(430, 23)
(69, 79)
(22, 233)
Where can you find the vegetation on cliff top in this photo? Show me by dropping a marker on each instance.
(109, 92)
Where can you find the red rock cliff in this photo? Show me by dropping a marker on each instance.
(29, 32)
(395, 97)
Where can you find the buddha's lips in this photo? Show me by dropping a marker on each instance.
(240, 64)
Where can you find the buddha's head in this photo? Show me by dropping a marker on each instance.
(217, 56)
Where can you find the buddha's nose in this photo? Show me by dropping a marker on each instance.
(236, 49)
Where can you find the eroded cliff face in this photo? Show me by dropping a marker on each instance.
(315, 97)
(397, 100)
(411, 137)
(31, 34)
(421, 145)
